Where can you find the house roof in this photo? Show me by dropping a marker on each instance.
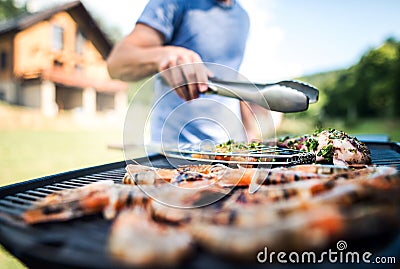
(78, 12)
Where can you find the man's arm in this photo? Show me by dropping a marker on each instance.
(142, 54)
(137, 55)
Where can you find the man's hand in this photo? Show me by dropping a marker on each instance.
(142, 53)
(184, 71)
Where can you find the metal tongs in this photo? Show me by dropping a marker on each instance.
(282, 96)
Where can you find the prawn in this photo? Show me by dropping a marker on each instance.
(141, 174)
(102, 196)
(137, 240)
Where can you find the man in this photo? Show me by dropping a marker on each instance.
(175, 37)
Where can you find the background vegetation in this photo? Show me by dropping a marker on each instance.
(8, 9)
(370, 89)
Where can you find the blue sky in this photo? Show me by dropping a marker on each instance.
(289, 38)
(311, 36)
(325, 35)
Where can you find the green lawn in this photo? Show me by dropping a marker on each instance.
(8, 261)
(28, 154)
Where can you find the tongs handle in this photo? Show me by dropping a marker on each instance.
(310, 91)
(275, 96)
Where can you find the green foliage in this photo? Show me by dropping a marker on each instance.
(370, 88)
(8, 9)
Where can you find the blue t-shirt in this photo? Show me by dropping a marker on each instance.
(218, 33)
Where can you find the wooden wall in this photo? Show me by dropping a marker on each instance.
(34, 50)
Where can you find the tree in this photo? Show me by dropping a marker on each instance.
(8, 9)
(370, 88)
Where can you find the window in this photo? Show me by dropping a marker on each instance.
(79, 42)
(3, 60)
(57, 63)
(58, 38)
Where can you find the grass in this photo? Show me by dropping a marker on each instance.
(8, 261)
(33, 146)
(32, 154)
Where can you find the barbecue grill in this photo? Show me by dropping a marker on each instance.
(81, 243)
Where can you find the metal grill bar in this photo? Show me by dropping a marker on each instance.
(65, 185)
(36, 193)
(7, 202)
(16, 199)
(84, 182)
(385, 153)
(87, 180)
(98, 177)
(76, 184)
(56, 188)
(45, 190)
(11, 210)
(260, 155)
(27, 196)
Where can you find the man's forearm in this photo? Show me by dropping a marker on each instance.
(131, 63)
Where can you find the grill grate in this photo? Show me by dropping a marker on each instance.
(16, 204)
(81, 243)
(385, 154)
(259, 155)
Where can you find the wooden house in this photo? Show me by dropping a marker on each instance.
(55, 60)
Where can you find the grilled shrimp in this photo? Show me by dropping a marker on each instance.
(137, 240)
(226, 176)
(310, 228)
(103, 196)
(181, 206)
(245, 209)
(278, 176)
(339, 209)
(303, 230)
(140, 174)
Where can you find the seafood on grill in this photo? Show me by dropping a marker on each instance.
(230, 147)
(108, 197)
(161, 221)
(100, 197)
(270, 202)
(136, 239)
(140, 174)
(218, 174)
(313, 228)
(229, 177)
(330, 146)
